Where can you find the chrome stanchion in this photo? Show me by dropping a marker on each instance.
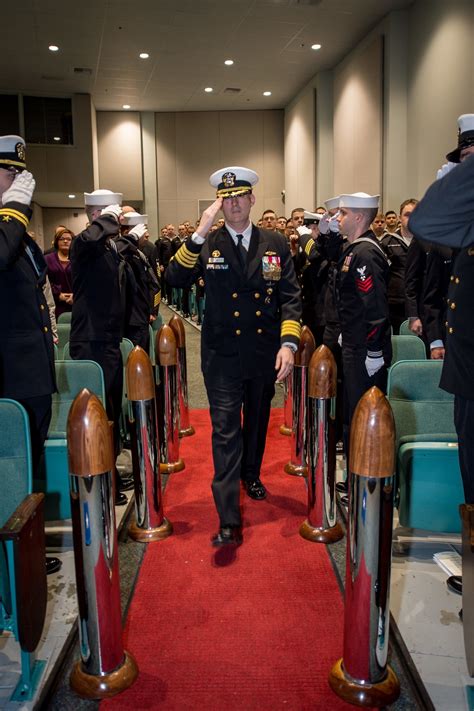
(185, 428)
(150, 523)
(321, 525)
(285, 428)
(166, 353)
(363, 676)
(297, 464)
(105, 668)
(467, 517)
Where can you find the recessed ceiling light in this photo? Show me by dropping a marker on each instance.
(144, 55)
(56, 138)
(126, 106)
(267, 93)
(229, 62)
(71, 196)
(208, 89)
(315, 46)
(53, 48)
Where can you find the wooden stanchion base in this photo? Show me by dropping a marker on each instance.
(296, 469)
(146, 535)
(188, 432)
(284, 430)
(90, 686)
(172, 467)
(321, 535)
(377, 695)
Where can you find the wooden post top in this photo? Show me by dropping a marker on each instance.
(166, 349)
(89, 442)
(372, 445)
(139, 375)
(306, 348)
(176, 323)
(322, 377)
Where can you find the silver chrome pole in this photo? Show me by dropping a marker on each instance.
(185, 428)
(286, 428)
(105, 668)
(150, 523)
(363, 676)
(168, 410)
(297, 464)
(467, 517)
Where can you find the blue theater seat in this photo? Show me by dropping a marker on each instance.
(429, 477)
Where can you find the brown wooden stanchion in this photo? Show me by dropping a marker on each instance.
(166, 354)
(363, 677)
(467, 517)
(297, 464)
(105, 669)
(150, 523)
(321, 525)
(185, 428)
(285, 428)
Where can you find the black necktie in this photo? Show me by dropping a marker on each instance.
(241, 250)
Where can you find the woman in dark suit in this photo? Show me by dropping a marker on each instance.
(59, 270)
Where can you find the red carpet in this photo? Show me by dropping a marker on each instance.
(257, 628)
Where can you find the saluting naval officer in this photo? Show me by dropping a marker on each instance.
(250, 332)
(26, 343)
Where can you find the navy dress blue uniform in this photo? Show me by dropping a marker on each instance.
(252, 309)
(26, 343)
(446, 216)
(396, 250)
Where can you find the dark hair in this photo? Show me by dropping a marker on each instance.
(410, 201)
(297, 209)
(267, 212)
(391, 212)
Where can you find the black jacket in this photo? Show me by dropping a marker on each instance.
(247, 317)
(26, 342)
(396, 250)
(141, 299)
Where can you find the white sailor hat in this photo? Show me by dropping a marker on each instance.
(465, 136)
(233, 181)
(130, 219)
(311, 217)
(12, 152)
(360, 200)
(102, 198)
(332, 203)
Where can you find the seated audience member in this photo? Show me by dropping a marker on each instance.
(59, 270)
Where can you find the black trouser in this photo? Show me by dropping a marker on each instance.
(331, 334)
(39, 415)
(238, 443)
(464, 423)
(108, 356)
(139, 336)
(396, 312)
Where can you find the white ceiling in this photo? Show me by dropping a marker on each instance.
(188, 41)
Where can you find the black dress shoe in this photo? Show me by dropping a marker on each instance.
(52, 565)
(454, 583)
(227, 536)
(341, 487)
(255, 489)
(120, 499)
(125, 483)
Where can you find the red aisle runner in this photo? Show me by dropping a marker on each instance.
(256, 628)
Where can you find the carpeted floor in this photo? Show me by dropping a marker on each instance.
(254, 628)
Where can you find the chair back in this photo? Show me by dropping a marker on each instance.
(65, 317)
(419, 405)
(407, 348)
(64, 329)
(404, 329)
(16, 478)
(126, 347)
(71, 377)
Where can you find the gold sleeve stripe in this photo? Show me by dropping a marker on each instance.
(157, 299)
(186, 258)
(309, 246)
(7, 213)
(291, 328)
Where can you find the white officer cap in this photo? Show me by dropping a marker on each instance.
(12, 152)
(332, 203)
(360, 200)
(465, 136)
(312, 216)
(130, 219)
(102, 198)
(233, 180)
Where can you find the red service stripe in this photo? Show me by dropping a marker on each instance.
(366, 285)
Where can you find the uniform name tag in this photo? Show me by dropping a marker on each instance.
(215, 260)
(271, 267)
(217, 266)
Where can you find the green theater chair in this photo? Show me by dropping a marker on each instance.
(404, 330)
(407, 348)
(23, 588)
(64, 330)
(65, 317)
(429, 477)
(71, 377)
(126, 347)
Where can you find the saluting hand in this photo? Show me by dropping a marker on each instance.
(21, 189)
(208, 217)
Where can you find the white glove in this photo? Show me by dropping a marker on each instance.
(324, 223)
(21, 189)
(373, 365)
(334, 224)
(112, 211)
(303, 230)
(137, 232)
(445, 169)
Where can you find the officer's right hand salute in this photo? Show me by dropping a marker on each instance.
(208, 217)
(21, 190)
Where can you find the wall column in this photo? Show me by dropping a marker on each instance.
(150, 178)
